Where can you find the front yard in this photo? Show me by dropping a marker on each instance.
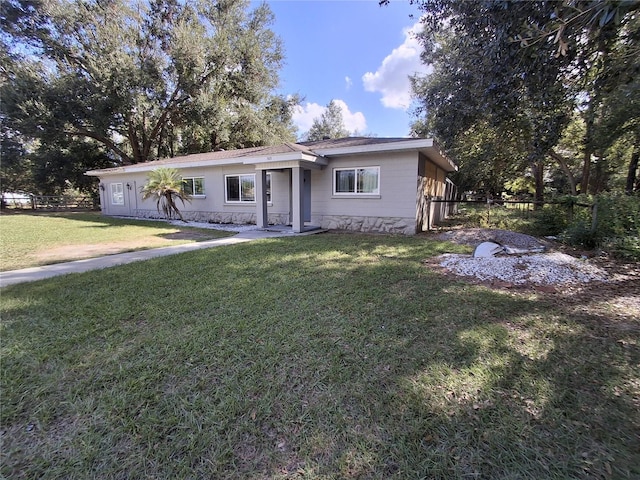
(33, 239)
(322, 357)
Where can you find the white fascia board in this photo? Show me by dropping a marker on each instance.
(147, 167)
(424, 145)
(409, 144)
(285, 157)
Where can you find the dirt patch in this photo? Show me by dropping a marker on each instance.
(68, 253)
(78, 252)
(185, 235)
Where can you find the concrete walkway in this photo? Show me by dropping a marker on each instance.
(79, 266)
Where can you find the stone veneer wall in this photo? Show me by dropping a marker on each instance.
(406, 226)
(235, 218)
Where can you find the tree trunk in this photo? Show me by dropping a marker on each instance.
(134, 142)
(588, 148)
(599, 181)
(173, 207)
(565, 168)
(633, 166)
(537, 170)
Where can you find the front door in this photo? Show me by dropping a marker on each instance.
(307, 195)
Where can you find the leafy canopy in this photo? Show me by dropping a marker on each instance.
(511, 73)
(144, 78)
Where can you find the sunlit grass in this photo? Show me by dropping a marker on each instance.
(320, 357)
(28, 240)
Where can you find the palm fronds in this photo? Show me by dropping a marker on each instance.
(165, 184)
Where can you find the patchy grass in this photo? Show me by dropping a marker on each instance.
(508, 217)
(33, 239)
(318, 357)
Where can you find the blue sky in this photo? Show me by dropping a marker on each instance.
(352, 51)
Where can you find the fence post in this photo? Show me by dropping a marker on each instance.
(570, 212)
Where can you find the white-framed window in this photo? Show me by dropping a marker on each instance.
(356, 181)
(117, 194)
(242, 188)
(193, 186)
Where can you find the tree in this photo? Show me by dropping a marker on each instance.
(536, 62)
(480, 78)
(165, 184)
(138, 77)
(60, 164)
(619, 113)
(329, 125)
(569, 56)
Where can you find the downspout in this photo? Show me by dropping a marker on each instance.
(135, 189)
(103, 197)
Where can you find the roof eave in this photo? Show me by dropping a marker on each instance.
(409, 144)
(261, 159)
(427, 146)
(286, 157)
(440, 159)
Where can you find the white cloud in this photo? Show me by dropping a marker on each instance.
(303, 116)
(348, 82)
(391, 79)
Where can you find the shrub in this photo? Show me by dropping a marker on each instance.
(613, 225)
(579, 233)
(550, 220)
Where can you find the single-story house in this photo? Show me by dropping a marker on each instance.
(355, 183)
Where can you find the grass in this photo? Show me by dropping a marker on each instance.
(319, 357)
(30, 239)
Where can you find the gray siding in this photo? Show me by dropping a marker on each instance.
(212, 207)
(392, 210)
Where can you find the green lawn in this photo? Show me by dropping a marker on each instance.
(320, 357)
(32, 239)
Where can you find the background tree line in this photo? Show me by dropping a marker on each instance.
(533, 92)
(102, 83)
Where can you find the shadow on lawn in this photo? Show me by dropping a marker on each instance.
(329, 357)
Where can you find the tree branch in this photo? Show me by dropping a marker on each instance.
(110, 144)
(565, 168)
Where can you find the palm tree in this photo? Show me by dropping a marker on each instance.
(165, 184)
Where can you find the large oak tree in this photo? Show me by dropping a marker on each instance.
(143, 78)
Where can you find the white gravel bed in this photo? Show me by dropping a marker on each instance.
(539, 269)
(228, 227)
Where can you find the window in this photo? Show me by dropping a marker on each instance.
(193, 186)
(242, 188)
(357, 181)
(117, 194)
